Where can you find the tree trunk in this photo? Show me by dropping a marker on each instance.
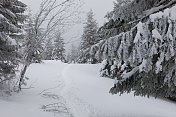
(22, 76)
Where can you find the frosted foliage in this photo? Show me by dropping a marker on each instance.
(129, 74)
(104, 63)
(59, 48)
(1, 16)
(146, 48)
(103, 70)
(143, 66)
(139, 31)
(10, 37)
(89, 33)
(169, 12)
(11, 41)
(156, 35)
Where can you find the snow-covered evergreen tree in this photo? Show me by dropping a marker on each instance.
(89, 36)
(126, 16)
(59, 48)
(11, 19)
(49, 49)
(143, 58)
(74, 54)
(125, 10)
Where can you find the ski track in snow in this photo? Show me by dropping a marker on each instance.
(81, 92)
(78, 106)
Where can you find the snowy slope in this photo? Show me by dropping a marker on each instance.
(29, 102)
(80, 91)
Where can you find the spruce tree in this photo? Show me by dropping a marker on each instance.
(48, 52)
(59, 48)
(74, 53)
(142, 59)
(11, 18)
(89, 36)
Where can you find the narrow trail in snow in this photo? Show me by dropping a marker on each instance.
(88, 95)
(72, 90)
(78, 107)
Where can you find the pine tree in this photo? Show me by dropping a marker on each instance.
(119, 3)
(59, 48)
(129, 10)
(48, 52)
(74, 54)
(11, 18)
(89, 36)
(142, 59)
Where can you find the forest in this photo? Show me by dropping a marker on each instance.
(134, 52)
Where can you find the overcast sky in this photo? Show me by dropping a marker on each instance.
(99, 7)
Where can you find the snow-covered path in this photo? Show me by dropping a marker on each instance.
(78, 91)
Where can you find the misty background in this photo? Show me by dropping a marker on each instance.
(99, 8)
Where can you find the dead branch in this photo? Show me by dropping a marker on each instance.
(49, 89)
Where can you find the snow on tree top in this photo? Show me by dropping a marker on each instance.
(156, 34)
(169, 12)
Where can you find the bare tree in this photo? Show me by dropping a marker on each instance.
(53, 14)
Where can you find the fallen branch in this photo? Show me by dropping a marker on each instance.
(49, 89)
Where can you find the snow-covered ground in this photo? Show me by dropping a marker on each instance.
(70, 90)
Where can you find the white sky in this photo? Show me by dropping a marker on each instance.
(99, 7)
